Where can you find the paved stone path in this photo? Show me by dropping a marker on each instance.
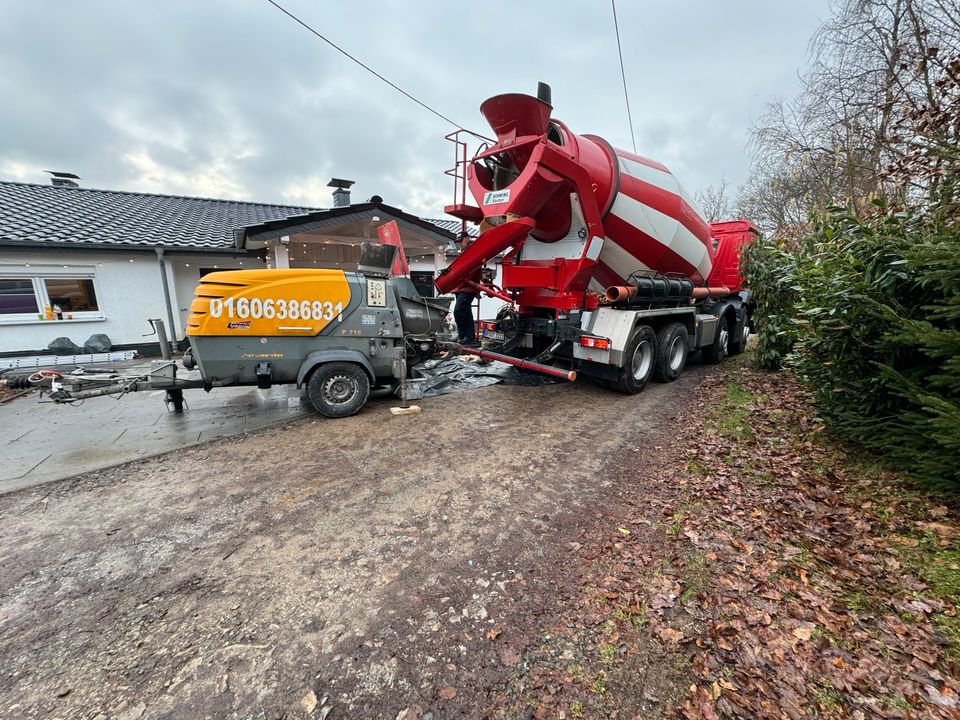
(42, 441)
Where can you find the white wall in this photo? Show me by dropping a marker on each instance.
(129, 292)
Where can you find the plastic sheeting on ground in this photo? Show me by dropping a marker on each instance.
(456, 374)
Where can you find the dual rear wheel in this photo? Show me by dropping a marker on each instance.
(662, 355)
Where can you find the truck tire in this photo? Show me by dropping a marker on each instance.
(639, 358)
(739, 343)
(720, 348)
(338, 389)
(672, 346)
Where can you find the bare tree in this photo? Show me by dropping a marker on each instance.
(875, 67)
(715, 202)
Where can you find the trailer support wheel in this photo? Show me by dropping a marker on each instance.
(174, 399)
(672, 346)
(639, 357)
(720, 348)
(338, 389)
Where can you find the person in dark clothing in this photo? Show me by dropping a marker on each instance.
(463, 308)
(463, 314)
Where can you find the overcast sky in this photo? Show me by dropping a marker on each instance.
(232, 99)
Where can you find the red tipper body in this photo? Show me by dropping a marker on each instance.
(575, 215)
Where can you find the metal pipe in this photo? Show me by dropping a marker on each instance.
(166, 296)
(160, 329)
(570, 375)
(621, 292)
(702, 292)
(617, 293)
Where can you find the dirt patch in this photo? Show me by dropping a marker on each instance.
(358, 568)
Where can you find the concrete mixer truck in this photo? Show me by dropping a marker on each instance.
(608, 267)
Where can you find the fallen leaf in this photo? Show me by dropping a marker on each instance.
(670, 635)
(905, 541)
(448, 693)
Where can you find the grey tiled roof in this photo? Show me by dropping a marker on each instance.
(38, 214)
(454, 226)
(47, 214)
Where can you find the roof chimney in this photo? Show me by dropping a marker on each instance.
(341, 192)
(63, 179)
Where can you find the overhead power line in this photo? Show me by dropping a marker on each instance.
(366, 67)
(623, 74)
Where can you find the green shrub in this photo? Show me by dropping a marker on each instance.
(871, 308)
(769, 269)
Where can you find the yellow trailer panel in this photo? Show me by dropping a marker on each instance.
(268, 302)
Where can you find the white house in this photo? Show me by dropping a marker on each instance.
(76, 261)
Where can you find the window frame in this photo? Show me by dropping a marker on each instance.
(38, 277)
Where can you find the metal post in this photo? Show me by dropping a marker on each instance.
(161, 332)
(281, 255)
(174, 345)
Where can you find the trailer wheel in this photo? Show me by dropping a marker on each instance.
(639, 359)
(720, 348)
(174, 399)
(338, 389)
(672, 345)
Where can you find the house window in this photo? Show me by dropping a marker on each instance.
(71, 294)
(17, 296)
(25, 298)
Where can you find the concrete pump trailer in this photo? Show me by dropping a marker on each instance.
(339, 334)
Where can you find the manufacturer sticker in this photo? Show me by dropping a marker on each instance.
(368, 319)
(377, 293)
(495, 197)
(414, 313)
(241, 325)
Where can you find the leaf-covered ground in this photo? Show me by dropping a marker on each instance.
(761, 572)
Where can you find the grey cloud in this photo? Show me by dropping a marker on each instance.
(231, 96)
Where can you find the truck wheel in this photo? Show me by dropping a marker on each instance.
(338, 389)
(717, 351)
(639, 358)
(739, 344)
(672, 344)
